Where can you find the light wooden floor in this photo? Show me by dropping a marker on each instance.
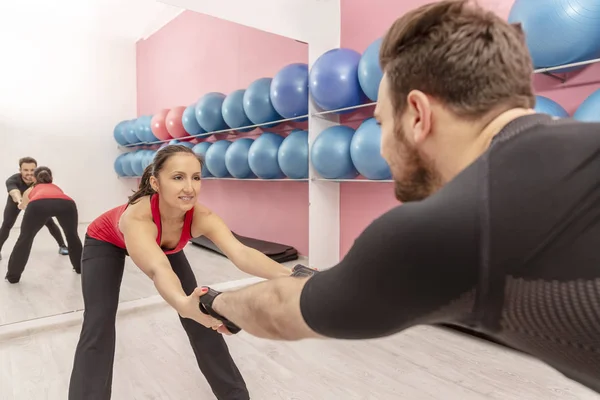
(154, 361)
(57, 287)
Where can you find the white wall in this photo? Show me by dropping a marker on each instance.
(61, 93)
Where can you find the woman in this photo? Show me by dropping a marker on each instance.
(152, 228)
(41, 202)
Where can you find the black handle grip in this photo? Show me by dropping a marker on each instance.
(206, 307)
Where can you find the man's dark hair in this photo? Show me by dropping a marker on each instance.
(461, 54)
(27, 160)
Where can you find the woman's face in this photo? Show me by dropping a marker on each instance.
(178, 182)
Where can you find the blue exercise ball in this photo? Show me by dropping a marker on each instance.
(189, 121)
(589, 109)
(369, 70)
(200, 149)
(233, 111)
(126, 162)
(257, 103)
(118, 165)
(215, 158)
(138, 126)
(559, 32)
(119, 134)
(365, 151)
(236, 159)
(330, 153)
(289, 91)
(136, 161)
(129, 132)
(179, 142)
(144, 130)
(208, 112)
(148, 158)
(548, 106)
(293, 155)
(262, 156)
(333, 80)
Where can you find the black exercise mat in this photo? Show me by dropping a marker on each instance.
(276, 251)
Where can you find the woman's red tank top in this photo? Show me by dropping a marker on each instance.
(47, 191)
(106, 226)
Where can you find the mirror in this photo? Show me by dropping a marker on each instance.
(100, 79)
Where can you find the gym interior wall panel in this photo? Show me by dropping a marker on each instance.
(365, 21)
(61, 91)
(195, 54)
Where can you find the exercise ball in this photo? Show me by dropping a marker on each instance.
(181, 143)
(257, 103)
(189, 121)
(129, 132)
(137, 162)
(236, 159)
(330, 153)
(365, 151)
(208, 112)
(589, 109)
(144, 131)
(158, 126)
(148, 158)
(548, 106)
(289, 91)
(200, 150)
(333, 80)
(262, 156)
(118, 165)
(126, 164)
(119, 134)
(559, 32)
(174, 123)
(293, 155)
(233, 111)
(215, 158)
(369, 70)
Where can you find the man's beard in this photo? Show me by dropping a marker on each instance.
(419, 178)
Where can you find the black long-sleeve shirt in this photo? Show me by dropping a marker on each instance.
(509, 248)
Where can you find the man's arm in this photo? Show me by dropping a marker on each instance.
(407, 265)
(13, 189)
(275, 309)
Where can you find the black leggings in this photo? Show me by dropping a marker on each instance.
(11, 212)
(36, 215)
(101, 275)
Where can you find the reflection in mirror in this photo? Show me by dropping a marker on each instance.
(195, 75)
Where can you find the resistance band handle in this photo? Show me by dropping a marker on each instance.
(205, 305)
(207, 299)
(303, 271)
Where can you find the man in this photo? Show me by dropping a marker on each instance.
(16, 185)
(500, 229)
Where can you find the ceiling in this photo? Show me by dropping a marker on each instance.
(133, 19)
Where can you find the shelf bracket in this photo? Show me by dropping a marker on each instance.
(553, 76)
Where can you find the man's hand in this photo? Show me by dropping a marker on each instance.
(20, 205)
(189, 308)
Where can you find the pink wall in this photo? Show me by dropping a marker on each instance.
(365, 21)
(195, 54)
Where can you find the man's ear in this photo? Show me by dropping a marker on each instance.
(419, 114)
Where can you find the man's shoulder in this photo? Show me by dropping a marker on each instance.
(14, 177)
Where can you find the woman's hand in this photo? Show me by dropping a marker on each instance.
(190, 308)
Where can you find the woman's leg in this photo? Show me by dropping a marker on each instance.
(56, 234)
(36, 215)
(212, 353)
(69, 220)
(101, 275)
